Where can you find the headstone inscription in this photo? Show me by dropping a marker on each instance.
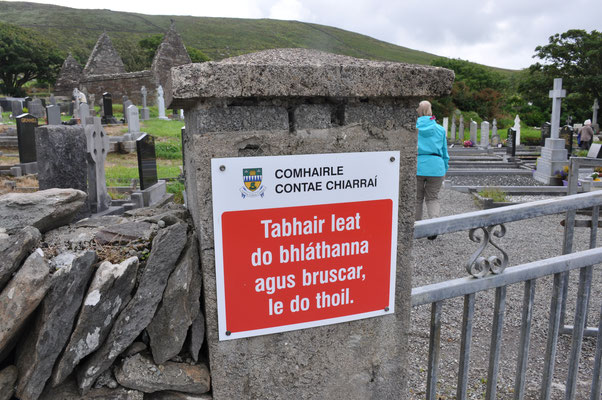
(566, 133)
(473, 132)
(144, 112)
(16, 108)
(97, 146)
(36, 109)
(461, 129)
(161, 103)
(485, 134)
(53, 115)
(453, 129)
(107, 107)
(147, 161)
(517, 129)
(26, 125)
(511, 142)
(595, 151)
(545, 132)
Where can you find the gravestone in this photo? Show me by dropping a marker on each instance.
(53, 115)
(92, 104)
(97, 146)
(445, 124)
(473, 132)
(485, 134)
(36, 109)
(26, 125)
(26, 102)
(107, 107)
(144, 112)
(161, 103)
(126, 105)
(52, 100)
(461, 129)
(553, 154)
(133, 121)
(566, 133)
(595, 151)
(517, 129)
(182, 114)
(84, 113)
(545, 132)
(16, 108)
(61, 156)
(220, 100)
(511, 142)
(147, 161)
(494, 128)
(453, 129)
(496, 141)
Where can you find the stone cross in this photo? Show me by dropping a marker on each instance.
(494, 127)
(445, 124)
(485, 134)
(143, 92)
(556, 94)
(453, 129)
(517, 129)
(144, 112)
(97, 147)
(461, 129)
(161, 103)
(473, 132)
(595, 109)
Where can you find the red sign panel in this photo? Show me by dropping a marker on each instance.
(293, 265)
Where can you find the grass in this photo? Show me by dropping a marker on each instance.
(497, 195)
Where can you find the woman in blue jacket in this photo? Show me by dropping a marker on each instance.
(433, 162)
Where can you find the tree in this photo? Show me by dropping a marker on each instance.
(25, 56)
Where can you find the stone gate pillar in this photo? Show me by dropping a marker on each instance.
(297, 101)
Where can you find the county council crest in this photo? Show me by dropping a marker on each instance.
(252, 179)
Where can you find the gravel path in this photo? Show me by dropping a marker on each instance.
(525, 241)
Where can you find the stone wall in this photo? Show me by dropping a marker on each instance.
(297, 101)
(104, 308)
(125, 84)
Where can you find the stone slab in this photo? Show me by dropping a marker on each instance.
(14, 249)
(359, 359)
(240, 118)
(305, 73)
(151, 196)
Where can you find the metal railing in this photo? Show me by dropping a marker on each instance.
(490, 273)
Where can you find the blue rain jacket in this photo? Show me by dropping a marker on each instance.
(433, 159)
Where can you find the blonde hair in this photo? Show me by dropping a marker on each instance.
(424, 108)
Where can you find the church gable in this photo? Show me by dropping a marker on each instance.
(171, 53)
(104, 58)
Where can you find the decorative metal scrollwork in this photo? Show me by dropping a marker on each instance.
(478, 266)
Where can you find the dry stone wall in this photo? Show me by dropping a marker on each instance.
(102, 308)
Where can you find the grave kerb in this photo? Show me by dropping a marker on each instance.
(240, 107)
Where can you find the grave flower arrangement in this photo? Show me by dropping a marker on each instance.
(562, 174)
(595, 176)
(468, 143)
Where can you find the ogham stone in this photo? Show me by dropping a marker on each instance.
(14, 249)
(107, 295)
(21, 297)
(136, 316)
(52, 325)
(140, 373)
(179, 307)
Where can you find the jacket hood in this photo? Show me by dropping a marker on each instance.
(426, 123)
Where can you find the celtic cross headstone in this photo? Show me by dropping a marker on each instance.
(97, 148)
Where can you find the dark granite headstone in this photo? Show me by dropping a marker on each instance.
(107, 106)
(566, 133)
(147, 161)
(595, 151)
(511, 143)
(26, 125)
(546, 130)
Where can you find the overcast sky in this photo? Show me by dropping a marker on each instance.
(491, 32)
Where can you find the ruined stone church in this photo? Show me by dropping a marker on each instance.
(105, 71)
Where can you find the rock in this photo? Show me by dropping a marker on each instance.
(136, 316)
(97, 222)
(169, 395)
(21, 297)
(179, 307)
(107, 380)
(45, 209)
(8, 377)
(197, 336)
(14, 250)
(135, 348)
(52, 325)
(169, 217)
(125, 233)
(139, 372)
(69, 391)
(107, 295)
